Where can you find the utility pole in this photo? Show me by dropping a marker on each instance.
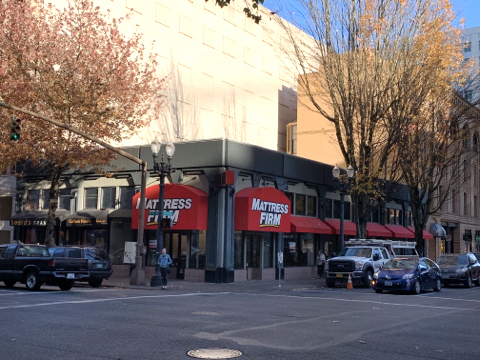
(138, 274)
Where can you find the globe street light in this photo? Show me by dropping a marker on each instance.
(342, 187)
(164, 169)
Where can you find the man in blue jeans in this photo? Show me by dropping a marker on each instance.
(164, 261)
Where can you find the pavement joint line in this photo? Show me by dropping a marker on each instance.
(23, 306)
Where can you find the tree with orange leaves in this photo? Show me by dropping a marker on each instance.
(76, 66)
(368, 67)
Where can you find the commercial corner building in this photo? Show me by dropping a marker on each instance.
(233, 206)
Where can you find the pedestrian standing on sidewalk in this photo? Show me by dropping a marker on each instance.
(164, 261)
(320, 263)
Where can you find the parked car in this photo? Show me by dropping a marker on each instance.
(409, 274)
(477, 255)
(99, 264)
(459, 269)
(33, 266)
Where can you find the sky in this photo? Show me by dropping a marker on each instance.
(468, 9)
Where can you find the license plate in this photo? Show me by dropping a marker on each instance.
(388, 283)
(99, 266)
(339, 275)
(70, 276)
(446, 276)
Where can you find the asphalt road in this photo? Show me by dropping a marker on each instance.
(131, 324)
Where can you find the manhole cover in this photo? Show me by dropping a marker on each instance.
(214, 353)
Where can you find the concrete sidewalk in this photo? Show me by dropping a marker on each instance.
(245, 286)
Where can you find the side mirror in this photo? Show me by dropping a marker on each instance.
(422, 268)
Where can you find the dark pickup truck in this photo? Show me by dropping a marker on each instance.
(32, 265)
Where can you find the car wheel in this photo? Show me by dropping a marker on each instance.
(330, 284)
(438, 285)
(31, 281)
(10, 283)
(468, 282)
(95, 283)
(417, 287)
(367, 280)
(477, 283)
(378, 291)
(65, 285)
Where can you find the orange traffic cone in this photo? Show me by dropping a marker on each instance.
(349, 283)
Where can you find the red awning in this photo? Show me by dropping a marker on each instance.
(349, 227)
(426, 234)
(262, 209)
(185, 205)
(303, 224)
(374, 229)
(400, 232)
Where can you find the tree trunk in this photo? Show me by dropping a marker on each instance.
(55, 172)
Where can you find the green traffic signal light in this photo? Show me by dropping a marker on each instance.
(15, 129)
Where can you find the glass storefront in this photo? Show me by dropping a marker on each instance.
(298, 250)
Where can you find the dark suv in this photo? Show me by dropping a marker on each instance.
(99, 265)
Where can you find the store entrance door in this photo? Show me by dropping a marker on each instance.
(176, 244)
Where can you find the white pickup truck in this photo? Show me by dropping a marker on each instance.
(361, 258)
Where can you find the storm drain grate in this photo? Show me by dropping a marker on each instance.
(214, 353)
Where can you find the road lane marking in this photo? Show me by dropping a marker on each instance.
(367, 302)
(56, 303)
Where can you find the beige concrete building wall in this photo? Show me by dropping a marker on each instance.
(224, 77)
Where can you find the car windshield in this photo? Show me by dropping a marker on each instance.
(453, 260)
(353, 251)
(401, 264)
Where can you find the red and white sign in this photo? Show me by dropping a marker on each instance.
(185, 205)
(262, 209)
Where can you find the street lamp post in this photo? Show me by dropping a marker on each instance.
(343, 188)
(163, 168)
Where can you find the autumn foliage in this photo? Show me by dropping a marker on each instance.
(370, 67)
(78, 66)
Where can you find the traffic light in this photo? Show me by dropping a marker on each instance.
(166, 223)
(15, 129)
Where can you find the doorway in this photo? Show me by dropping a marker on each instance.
(176, 244)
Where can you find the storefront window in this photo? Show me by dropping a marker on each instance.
(108, 198)
(299, 204)
(299, 250)
(198, 247)
(33, 198)
(120, 232)
(238, 248)
(91, 195)
(311, 206)
(267, 251)
(96, 238)
(126, 195)
(253, 250)
(289, 250)
(64, 199)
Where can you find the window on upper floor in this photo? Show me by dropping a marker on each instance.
(91, 198)
(64, 199)
(467, 46)
(45, 199)
(33, 199)
(126, 195)
(292, 138)
(108, 198)
(303, 204)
